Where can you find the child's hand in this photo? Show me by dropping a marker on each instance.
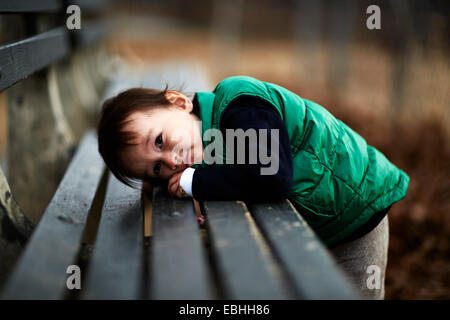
(174, 187)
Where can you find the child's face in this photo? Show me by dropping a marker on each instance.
(168, 140)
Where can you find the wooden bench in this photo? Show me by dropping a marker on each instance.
(259, 251)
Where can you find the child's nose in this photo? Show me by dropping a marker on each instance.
(172, 160)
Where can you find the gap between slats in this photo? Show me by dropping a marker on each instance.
(89, 235)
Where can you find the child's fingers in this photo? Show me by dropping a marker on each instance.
(171, 183)
(175, 192)
(174, 189)
(174, 185)
(174, 178)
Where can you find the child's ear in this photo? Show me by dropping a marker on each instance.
(179, 100)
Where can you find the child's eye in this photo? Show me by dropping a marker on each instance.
(159, 141)
(157, 168)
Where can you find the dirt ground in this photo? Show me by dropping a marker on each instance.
(415, 139)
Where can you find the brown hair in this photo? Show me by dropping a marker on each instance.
(112, 138)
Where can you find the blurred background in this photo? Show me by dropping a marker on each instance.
(391, 85)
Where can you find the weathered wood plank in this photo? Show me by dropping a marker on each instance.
(41, 271)
(147, 216)
(115, 270)
(245, 264)
(10, 207)
(310, 267)
(178, 266)
(23, 6)
(20, 59)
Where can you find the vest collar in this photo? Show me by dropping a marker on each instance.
(205, 102)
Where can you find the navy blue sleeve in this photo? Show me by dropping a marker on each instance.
(245, 181)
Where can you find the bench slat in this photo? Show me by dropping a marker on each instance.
(178, 267)
(41, 270)
(244, 262)
(309, 265)
(20, 59)
(115, 270)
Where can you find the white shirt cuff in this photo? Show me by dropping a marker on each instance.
(186, 180)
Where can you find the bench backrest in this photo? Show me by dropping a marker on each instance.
(43, 68)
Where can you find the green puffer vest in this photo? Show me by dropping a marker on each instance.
(339, 181)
